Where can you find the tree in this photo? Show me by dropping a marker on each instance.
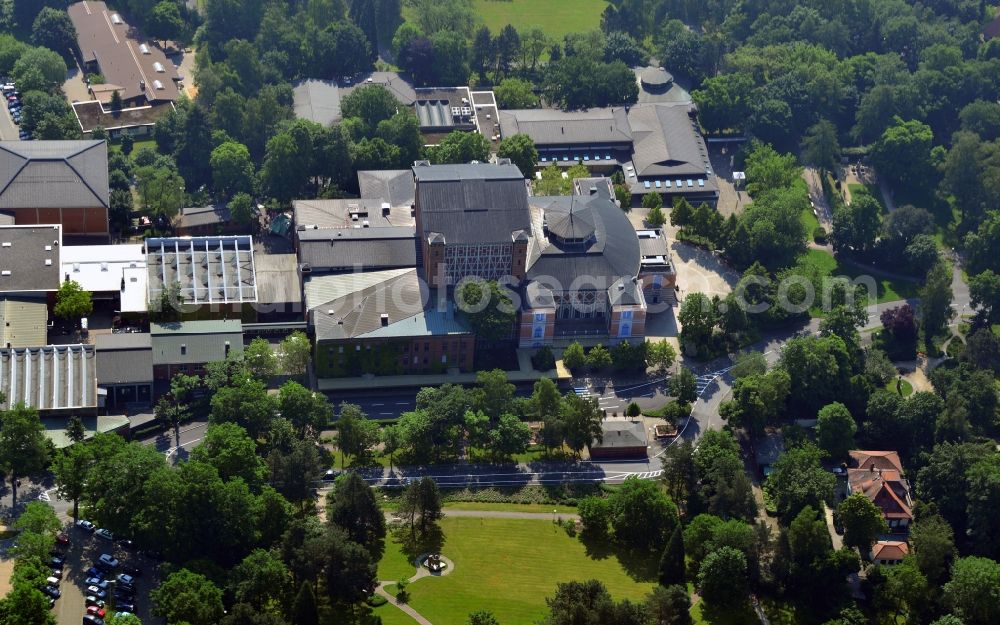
(520, 149)
(39, 69)
(392, 440)
(697, 317)
(232, 169)
(835, 429)
(371, 104)
(641, 514)
(489, 309)
(75, 429)
(161, 190)
(679, 472)
(935, 301)
(598, 357)
(933, 544)
(24, 449)
(38, 517)
(352, 506)
(71, 467)
(460, 147)
(260, 359)
(573, 356)
(72, 302)
(856, 226)
(232, 452)
(684, 386)
(798, 480)
(656, 218)
(188, 597)
(515, 93)
(421, 505)
(862, 521)
(660, 354)
(972, 593)
(672, 564)
(510, 436)
(304, 610)
(54, 30)
(295, 353)
(820, 147)
(669, 606)
(595, 516)
(652, 200)
(165, 22)
(482, 617)
(903, 153)
(722, 577)
(356, 434)
(260, 579)
(309, 412)
(580, 603)
(581, 421)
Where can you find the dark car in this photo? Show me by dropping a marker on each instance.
(90, 619)
(94, 591)
(94, 572)
(58, 561)
(86, 525)
(131, 569)
(52, 591)
(125, 606)
(126, 543)
(331, 475)
(89, 601)
(62, 538)
(107, 561)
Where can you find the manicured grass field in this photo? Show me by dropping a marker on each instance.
(823, 263)
(138, 145)
(556, 17)
(905, 388)
(809, 222)
(508, 566)
(872, 189)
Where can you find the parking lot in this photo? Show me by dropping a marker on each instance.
(10, 118)
(81, 554)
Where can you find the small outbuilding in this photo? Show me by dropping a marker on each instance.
(620, 439)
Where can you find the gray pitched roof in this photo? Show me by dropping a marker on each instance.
(667, 142)
(391, 81)
(29, 258)
(394, 186)
(612, 253)
(474, 203)
(125, 358)
(195, 342)
(555, 127)
(619, 434)
(340, 249)
(135, 66)
(195, 216)
(47, 174)
(317, 100)
(392, 307)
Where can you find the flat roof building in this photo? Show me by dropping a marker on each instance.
(187, 346)
(125, 368)
(207, 270)
(23, 322)
(29, 259)
(109, 271)
(51, 378)
(56, 182)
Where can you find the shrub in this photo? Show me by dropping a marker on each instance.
(819, 235)
(543, 360)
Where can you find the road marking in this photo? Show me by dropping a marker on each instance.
(402, 403)
(378, 404)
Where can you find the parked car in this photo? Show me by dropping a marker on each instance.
(94, 572)
(51, 591)
(58, 561)
(57, 573)
(125, 578)
(94, 591)
(98, 582)
(97, 611)
(131, 569)
(52, 581)
(107, 561)
(86, 525)
(90, 619)
(127, 606)
(62, 538)
(89, 601)
(126, 543)
(104, 534)
(125, 588)
(330, 475)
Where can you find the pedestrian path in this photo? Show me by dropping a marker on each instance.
(420, 573)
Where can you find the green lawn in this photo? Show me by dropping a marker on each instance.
(824, 264)
(809, 222)
(556, 17)
(872, 189)
(905, 388)
(509, 566)
(116, 146)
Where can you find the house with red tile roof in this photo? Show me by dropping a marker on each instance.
(879, 476)
(888, 552)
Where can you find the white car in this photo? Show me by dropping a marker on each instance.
(52, 581)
